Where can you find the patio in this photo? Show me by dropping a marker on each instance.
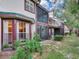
(6, 54)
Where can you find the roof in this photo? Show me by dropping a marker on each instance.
(42, 7)
(16, 15)
(36, 1)
(54, 24)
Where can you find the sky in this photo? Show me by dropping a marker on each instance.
(49, 5)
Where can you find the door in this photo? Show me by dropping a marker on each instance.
(43, 32)
(7, 32)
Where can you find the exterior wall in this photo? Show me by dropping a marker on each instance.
(0, 34)
(33, 29)
(16, 6)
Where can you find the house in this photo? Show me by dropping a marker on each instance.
(20, 20)
(66, 29)
(56, 26)
(51, 24)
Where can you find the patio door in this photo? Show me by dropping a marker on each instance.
(7, 32)
(43, 32)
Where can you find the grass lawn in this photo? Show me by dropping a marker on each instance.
(66, 49)
(55, 55)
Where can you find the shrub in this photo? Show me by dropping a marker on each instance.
(37, 37)
(34, 45)
(21, 53)
(58, 37)
(30, 46)
(17, 44)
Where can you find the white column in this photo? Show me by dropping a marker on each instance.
(17, 30)
(52, 33)
(27, 31)
(5, 31)
(0, 34)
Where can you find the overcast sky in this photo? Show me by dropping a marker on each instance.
(48, 4)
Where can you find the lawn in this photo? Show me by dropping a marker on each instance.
(66, 49)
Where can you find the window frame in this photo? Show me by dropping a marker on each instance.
(25, 7)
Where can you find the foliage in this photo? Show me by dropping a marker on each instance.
(55, 55)
(20, 54)
(36, 37)
(5, 46)
(17, 44)
(30, 46)
(34, 45)
(72, 13)
(72, 6)
(58, 37)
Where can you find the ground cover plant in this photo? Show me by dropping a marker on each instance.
(58, 37)
(29, 47)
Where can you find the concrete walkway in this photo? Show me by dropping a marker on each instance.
(6, 54)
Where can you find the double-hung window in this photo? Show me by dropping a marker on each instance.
(22, 30)
(29, 6)
(9, 31)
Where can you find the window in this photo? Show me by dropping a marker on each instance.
(29, 5)
(22, 30)
(42, 15)
(10, 31)
(9, 26)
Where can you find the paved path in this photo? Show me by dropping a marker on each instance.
(6, 54)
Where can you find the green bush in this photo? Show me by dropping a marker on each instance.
(21, 53)
(34, 45)
(58, 37)
(30, 46)
(37, 37)
(17, 44)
